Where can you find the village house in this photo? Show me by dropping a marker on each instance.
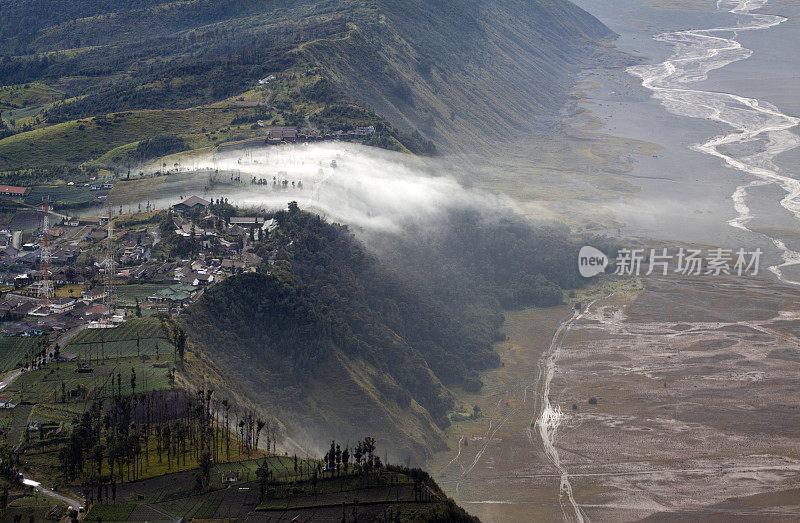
(175, 296)
(8, 255)
(92, 295)
(40, 311)
(230, 476)
(67, 276)
(65, 255)
(235, 230)
(62, 305)
(191, 204)
(233, 265)
(188, 229)
(96, 311)
(282, 134)
(246, 221)
(230, 247)
(14, 192)
(29, 259)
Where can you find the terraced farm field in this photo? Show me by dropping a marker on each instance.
(136, 337)
(61, 195)
(13, 350)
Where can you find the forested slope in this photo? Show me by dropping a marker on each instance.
(334, 340)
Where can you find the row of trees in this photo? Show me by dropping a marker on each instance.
(363, 457)
(120, 442)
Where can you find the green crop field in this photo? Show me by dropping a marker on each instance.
(62, 195)
(202, 506)
(81, 140)
(109, 512)
(45, 386)
(136, 337)
(19, 423)
(13, 350)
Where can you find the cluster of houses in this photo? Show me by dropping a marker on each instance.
(78, 257)
(33, 315)
(287, 134)
(306, 134)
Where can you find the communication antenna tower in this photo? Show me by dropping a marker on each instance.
(110, 297)
(46, 284)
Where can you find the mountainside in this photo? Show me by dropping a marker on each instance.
(462, 74)
(333, 341)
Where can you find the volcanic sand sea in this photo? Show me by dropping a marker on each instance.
(696, 380)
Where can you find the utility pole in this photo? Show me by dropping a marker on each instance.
(110, 298)
(46, 284)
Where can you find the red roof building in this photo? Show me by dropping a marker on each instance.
(10, 190)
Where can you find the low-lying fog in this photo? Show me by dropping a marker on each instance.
(364, 187)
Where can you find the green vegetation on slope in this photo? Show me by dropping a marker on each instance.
(329, 316)
(466, 74)
(76, 141)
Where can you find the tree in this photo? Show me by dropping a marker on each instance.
(227, 406)
(369, 449)
(264, 477)
(346, 458)
(259, 425)
(331, 457)
(133, 380)
(205, 468)
(180, 342)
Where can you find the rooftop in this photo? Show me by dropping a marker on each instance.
(195, 200)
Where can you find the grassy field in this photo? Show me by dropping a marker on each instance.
(119, 512)
(45, 386)
(81, 140)
(69, 291)
(13, 350)
(20, 102)
(136, 337)
(61, 195)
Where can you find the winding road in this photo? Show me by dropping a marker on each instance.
(41, 489)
